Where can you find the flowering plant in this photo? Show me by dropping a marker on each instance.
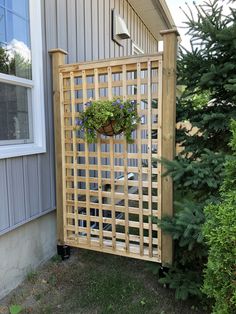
(120, 115)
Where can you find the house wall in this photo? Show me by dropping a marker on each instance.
(25, 248)
(27, 184)
(83, 28)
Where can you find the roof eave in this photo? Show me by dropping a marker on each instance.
(155, 14)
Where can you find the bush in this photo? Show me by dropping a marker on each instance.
(220, 234)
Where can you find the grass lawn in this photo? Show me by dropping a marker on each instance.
(91, 282)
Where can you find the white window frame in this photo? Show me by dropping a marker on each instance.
(38, 144)
(136, 50)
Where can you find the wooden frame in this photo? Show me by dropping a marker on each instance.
(111, 190)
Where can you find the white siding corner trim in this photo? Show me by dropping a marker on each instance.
(38, 115)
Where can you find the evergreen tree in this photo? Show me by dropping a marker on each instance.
(208, 103)
(4, 61)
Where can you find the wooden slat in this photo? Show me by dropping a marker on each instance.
(68, 146)
(117, 182)
(103, 69)
(125, 156)
(159, 153)
(142, 112)
(114, 83)
(150, 156)
(118, 222)
(118, 195)
(99, 181)
(107, 155)
(129, 96)
(155, 126)
(116, 68)
(120, 251)
(72, 93)
(63, 190)
(84, 83)
(140, 156)
(112, 174)
(107, 168)
(119, 236)
(110, 62)
(118, 208)
(106, 141)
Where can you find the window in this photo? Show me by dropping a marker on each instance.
(136, 50)
(22, 125)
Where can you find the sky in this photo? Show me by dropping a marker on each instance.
(179, 16)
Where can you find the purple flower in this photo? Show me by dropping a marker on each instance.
(78, 122)
(118, 101)
(122, 106)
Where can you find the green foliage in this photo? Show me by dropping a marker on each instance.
(212, 62)
(220, 234)
(185, 226)
(209, 126)
(202, 175)
(20, 67)
(15, 309)
(4, 61)
(230, 168)
(185, 285)
(16, 65)
(32, 276)
(100, 113)
(207, 104)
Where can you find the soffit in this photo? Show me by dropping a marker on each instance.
(155, 14)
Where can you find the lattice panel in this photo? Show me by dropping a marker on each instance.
(112, 189)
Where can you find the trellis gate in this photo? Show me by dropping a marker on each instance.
(109, 192)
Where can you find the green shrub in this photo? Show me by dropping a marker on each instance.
(220, 234)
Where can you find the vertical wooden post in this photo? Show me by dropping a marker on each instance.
(168, 133)
(58, 58)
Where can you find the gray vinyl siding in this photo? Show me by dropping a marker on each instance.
(83, 28)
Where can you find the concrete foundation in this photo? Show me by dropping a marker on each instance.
(23, 249)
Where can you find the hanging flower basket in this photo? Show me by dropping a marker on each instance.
(109, 129)
(109, 117)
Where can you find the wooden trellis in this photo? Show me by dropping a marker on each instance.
(110, 191)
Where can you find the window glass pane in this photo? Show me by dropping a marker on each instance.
(1, 2)
(17, 29)
(18, 6)
(14, 113)
(15, 41)
(2, 26)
